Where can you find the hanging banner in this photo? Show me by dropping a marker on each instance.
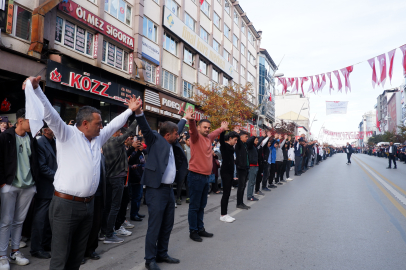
(336, 107)
(359, 135)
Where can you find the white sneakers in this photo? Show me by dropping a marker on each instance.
(289, 179)
(4, 264)
(227, 219)
(123, 232)
(18, 258)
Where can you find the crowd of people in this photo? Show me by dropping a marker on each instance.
(393, 152)
(69, 188)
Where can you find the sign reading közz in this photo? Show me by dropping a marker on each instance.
(76, 11)
(65, 78)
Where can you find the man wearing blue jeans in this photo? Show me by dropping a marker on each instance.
(200, 167)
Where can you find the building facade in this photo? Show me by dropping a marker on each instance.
(98, 52)
(266, 85)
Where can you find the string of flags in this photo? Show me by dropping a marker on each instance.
(348, 135)
(318, 82)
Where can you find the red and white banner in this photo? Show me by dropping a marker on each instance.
(346, 73)
(311, 87)
(340, 85)
(331, 82)
(302, 80)
(391, 56)
(358, 135)
(336, 107)
(322, 81)
(403, 49)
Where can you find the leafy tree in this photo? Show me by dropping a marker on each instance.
(226, 103)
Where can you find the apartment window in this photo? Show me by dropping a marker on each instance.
(225, 81)
(215, 75)
(235, 64)
(173, 7)
(203, 67)
(236, 17)
(250, 37)
(216, 20)
(243, 27)
(119, 9)
(216, 46)
(115, 56)
(150, 72)
(205, 7)
(22, 23)
(150, 30)
(170, 44)
(204, 35)
(242, 71)
(188, 57)
(73, 36)
(226, 55)
(242, 49)
(235, 41)
(227, 6)
(227, 31)
(190, 22)
(250, 78)
(251, 59)
(169, 81)
(187, 90)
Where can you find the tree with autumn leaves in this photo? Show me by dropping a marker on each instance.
(226, 103)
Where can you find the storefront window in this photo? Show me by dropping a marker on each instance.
(22, 19)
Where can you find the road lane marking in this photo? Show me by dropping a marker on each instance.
(384, 191)
(390, 182)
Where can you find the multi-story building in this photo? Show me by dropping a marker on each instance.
(266, 85)
(98, 52)
(382, 109)
(368, 123)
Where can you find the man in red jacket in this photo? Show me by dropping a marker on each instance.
(200, 167)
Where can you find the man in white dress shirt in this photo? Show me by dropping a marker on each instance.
(77, 177)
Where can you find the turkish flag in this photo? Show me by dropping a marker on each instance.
(302, 80)
(283, 81)
(201, 2)
(291, 81)
(340, 85)
(317, 86)
(346, 73)
(403, 49)
(382, 64)
(391, 56)
(331, 82)
(295, 85)
(374, 79)
(311, 87)
(322, 81)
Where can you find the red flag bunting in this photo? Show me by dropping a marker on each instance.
(391, 56)
(374, 79)
(346, 73)
(322, 81)
(340, 85)
(382, 64)
(311, 87)
(403, 49)
(331, 82)
(304, 79)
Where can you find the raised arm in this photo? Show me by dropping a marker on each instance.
(222, 135)
(149, 136)
(250, 142)
(61, 131)
(129, 133)
(213, 135)
(194, 136)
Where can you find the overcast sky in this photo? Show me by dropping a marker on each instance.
(320, 36)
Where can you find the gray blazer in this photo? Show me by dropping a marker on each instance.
(47, 169)
(158, 155)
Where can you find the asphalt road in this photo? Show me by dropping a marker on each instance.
(335, 216)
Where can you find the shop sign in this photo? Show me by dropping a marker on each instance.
(166, 105)
(157, 75)
(79, 13)
(10, 12)
(150, 51)
(95, 45)
(65, 78)
(174, 24)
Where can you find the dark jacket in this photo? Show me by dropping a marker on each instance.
(285, 150)
(115, 153)
(136, 168)
(394, 150)
(252, 151)
(158, 155)
(241, 153)
(349, 148)
(227, 153)
(298, 147)
(47, 169)
(8, 157)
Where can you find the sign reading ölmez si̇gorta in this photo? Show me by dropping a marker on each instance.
(336, 107)
(174, 24)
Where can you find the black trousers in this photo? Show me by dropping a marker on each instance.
(392, 157)
(287, 168)
(179, 185)
(349, 157)
(278, 169)
(227, 179)
(114, 194)
(93, 241)
(242, 183)
(259, 176)
(41, 233)
(272, 172)
(121, 216)
(281, 170)
(71, 222)
(161, 215)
